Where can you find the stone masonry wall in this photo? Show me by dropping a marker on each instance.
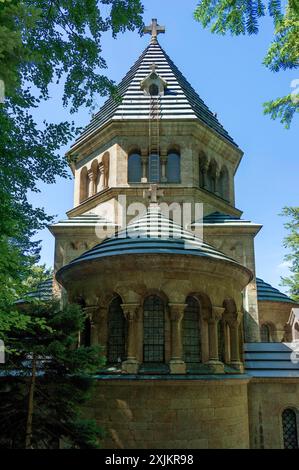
(267, 399)
(173, 414)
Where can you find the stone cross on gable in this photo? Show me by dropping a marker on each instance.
(154, 29)
(153, 193)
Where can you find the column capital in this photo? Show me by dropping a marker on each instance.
(176, 311)
(234, 319)
(90, 309)
(144, 153)
(205, 165)
(131, 311)
(91, 175)
(217, 312)
(217, 171)
(163, 151)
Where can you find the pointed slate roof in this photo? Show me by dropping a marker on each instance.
(84, 220)
(153, 233)
(221, 218)
(267, 292)
(179, 102)
(43, 291)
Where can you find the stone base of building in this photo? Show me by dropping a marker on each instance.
(130, 366)
(215, 367)
(172, 413)
(177, 366)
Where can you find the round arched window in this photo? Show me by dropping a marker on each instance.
(173, 170)
(134, 168)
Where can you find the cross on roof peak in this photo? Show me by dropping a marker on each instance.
(154, 29)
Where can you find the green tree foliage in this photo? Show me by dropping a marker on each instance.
(242, 17)
(63, 380)
(292, 243)
(44, 42)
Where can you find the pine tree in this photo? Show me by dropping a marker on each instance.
(47, 380)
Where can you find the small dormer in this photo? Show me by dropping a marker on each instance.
(153, 84)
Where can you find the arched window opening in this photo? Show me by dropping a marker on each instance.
(224, 184)
(153, 330)
(84, 184)
(154, 90)
(191, 331)
(202, 168)
(154, 168)
(265, 334)
(85, 337)
(134, 168)
(289, 426)
(211, 177)
(116, 344)
(173, 170)
(201, 175)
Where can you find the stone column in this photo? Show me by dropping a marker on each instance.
(101, 177)
(217, 181)
(144, 164)
(235, 360)
(130, 365)
(101, 320)
(177, 364)
(163, 159)
(205, 167)
(92, 184)
(91, 312)
(214, 364)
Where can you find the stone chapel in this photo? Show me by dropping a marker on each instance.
(199, 351)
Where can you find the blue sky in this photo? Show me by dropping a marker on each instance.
(228, 74)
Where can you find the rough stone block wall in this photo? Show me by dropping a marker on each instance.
(267, 399)
(173, 414)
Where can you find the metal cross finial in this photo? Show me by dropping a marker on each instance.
(153, 193)
(154, 29)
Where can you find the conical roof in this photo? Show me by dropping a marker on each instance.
(267, 292)
(153, 233)
(180, 100)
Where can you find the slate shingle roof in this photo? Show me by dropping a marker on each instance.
(267, 292)
(221, 218)
(43, 291)
(85, 220)
(179, 102)
(272, 359)
(152, 233)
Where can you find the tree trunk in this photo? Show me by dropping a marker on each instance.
(30, 404)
